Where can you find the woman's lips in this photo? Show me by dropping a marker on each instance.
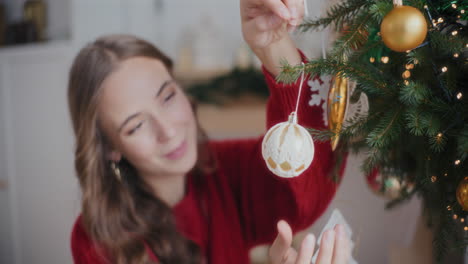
(178, 152)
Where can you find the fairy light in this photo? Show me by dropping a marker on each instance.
(445, 174)
(406, 82)
(385, 59)
(409, 66)
(454, 6)
(466, 228)
(449, 208)
(455, 217)
(462, 220)
(372, 59)
(456, 55)
(440, 20)
(459, 96)
(463, 11)
(444, 69)
(457, 162)
(434, 178)
(406, 74)
(454, 33)
(416, 61)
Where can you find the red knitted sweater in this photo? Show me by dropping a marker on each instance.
(245, 200)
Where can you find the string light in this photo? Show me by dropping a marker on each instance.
(444, 69)
(416, 62)
(456, 55)
(457, 162)
(463, 11)
(406, 74)
(406, 82)
(409, 66)
(462, 220)
(454, 6)
(434, 178)
(449, 208)
(454, 33)
(459, 96)
(440, 20)
(385, 59)
(372, 59)
(466, 228)
(455, 217)
(445, 174)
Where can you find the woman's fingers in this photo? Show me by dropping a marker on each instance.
(279, 8)
(325, 254)
(342, 249)
(267, 22)
(296, 8)
(280, 249)
(307, 250)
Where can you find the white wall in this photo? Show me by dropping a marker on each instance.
(6, 245)
(43, 191)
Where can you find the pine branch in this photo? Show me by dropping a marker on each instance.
(380, 9)
(387, 131)
(353, 38)
(321, 135)
(338, 15)
(370, 79)
(446, 45)
(414, 93)
(413, 121)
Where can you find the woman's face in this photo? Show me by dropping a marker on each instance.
(148, 118)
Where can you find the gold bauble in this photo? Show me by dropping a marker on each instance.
(337, 100)
(404, 28)
(462, 194)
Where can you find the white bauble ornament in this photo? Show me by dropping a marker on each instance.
(288, 148)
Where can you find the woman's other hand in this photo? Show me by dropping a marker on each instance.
(334, 247)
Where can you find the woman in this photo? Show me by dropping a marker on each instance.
(155, 191)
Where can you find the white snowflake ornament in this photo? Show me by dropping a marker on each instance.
(322, 86)
(288, 148)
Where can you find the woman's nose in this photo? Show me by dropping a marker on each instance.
(165, 130)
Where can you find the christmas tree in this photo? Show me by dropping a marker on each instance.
(410, 60)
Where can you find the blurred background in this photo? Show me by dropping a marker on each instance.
(39, 194)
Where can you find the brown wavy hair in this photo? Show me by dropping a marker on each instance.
(123, 217)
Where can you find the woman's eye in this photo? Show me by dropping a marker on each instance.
(133, 130)
(169, 96)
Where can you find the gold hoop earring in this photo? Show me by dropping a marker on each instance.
(116, 170)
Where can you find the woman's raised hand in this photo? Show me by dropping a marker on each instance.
(265, 22)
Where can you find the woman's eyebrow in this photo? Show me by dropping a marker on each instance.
(127, 120)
